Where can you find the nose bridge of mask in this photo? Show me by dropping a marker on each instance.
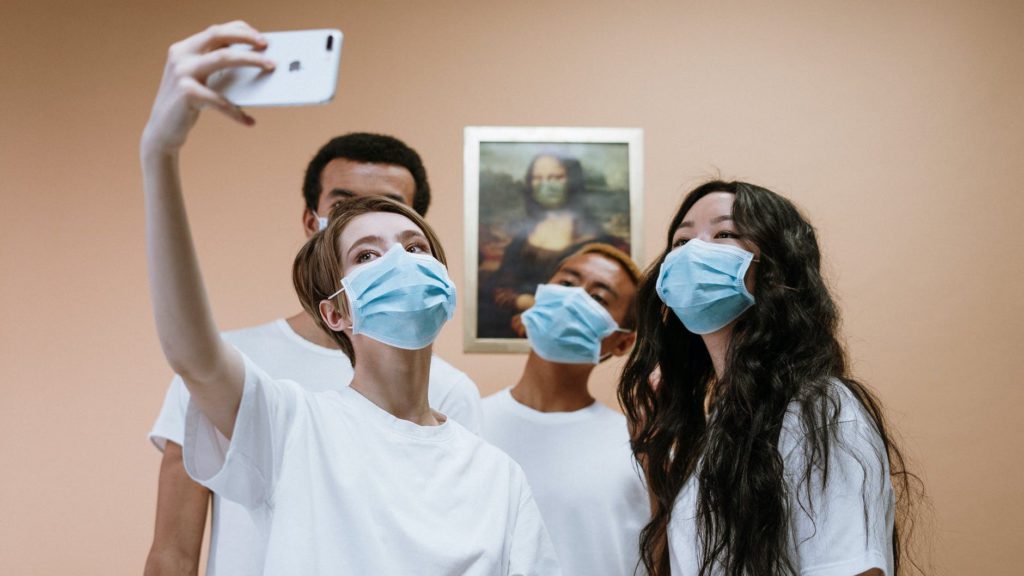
(586, 305)
(705, 259)
(732, 252)
(566, 325)
(704, 284)
(347, 281)
(400, 299)
(597, 310)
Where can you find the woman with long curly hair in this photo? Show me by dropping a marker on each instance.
(763, 455)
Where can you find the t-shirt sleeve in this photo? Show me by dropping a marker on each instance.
(462, 403)
(846, 526)
(245, 468)
(170, 424)
(531, 552)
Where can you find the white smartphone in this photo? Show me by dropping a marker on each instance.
(306, 73)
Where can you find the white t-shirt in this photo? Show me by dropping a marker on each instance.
(584, 478)
(236, 545)
(342, 487)
(845, 529)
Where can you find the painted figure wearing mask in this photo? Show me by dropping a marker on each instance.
(557, 224)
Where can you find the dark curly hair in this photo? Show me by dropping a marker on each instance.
(783, 350)
(372, 149)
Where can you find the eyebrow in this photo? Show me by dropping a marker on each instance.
(346, 193)
(380, 240)
(597, 284)
(715, 220)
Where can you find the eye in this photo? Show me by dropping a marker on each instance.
(679, 242)
(365, 256)
(727, 234)
(418, 248)
(600, 299)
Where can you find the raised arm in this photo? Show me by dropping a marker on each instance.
(212, 370)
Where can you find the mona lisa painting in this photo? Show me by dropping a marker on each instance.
(533, 197)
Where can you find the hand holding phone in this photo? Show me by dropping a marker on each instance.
(306, 71)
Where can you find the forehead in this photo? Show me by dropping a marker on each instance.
(547, 165)
(595, 267)
(711, 206)
(388, 226)
(367, 179)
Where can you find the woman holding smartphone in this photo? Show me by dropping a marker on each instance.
(763, 455)
(363, 480)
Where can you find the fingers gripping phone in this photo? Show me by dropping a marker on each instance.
(306, 71)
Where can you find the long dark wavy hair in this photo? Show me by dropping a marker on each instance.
(784, 349)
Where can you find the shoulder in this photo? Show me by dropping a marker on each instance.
(606, 413)
(837, 416)
(448, 377)
(486, 456)
(496, 401)
(611, 429)
(253, 333)
(442, 369)
(258, 381)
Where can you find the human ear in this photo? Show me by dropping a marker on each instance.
(617, 344)
(335, 319)
(310, 223)
(623, 344)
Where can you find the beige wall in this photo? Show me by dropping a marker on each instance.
(897, 126)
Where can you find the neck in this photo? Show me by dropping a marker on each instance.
(394, 379)
(717, 344)
(553, 387)
(304, 325)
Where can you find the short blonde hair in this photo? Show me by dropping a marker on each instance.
(318, 269)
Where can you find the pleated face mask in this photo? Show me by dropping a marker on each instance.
(566, 325)
(702, 283)
(400, 299)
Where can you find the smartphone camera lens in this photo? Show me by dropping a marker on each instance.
(330, 42)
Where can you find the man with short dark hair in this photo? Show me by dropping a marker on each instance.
(357, 164)
(574, 450)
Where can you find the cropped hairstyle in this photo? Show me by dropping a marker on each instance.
(318, 267)
(371, 149)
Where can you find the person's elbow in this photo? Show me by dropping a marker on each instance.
(170, 561)
(196, 366)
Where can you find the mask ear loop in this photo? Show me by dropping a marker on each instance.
(340, 290)
(779, 285)
(332, 296)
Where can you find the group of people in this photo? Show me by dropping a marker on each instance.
(334, 441)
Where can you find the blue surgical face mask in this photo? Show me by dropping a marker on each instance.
(321, 221)
(703, 284)
(566, 325)
(550, 193)
(400, 299)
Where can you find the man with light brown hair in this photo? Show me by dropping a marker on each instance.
(293, 347)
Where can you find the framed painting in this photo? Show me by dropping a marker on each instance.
(533, 196)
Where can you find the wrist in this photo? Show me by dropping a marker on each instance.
(155, 149)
